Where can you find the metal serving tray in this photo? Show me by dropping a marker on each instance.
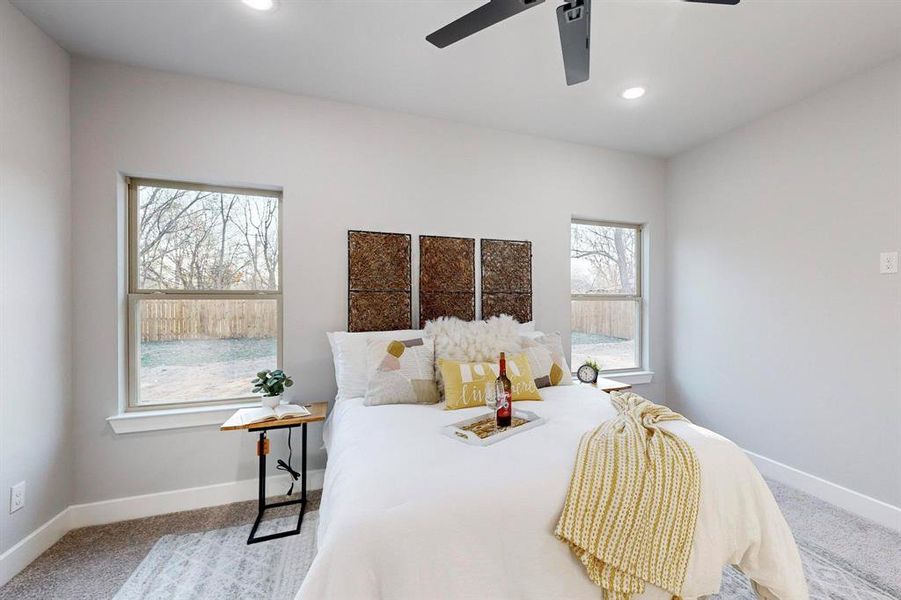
(468, 431)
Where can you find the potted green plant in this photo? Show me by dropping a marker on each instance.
(272, 384)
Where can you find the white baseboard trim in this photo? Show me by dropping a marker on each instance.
(33, 545)
(160, 503)
(860, 504)
(136, 507)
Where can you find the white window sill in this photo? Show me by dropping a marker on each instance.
(174, 418)
(630, 377)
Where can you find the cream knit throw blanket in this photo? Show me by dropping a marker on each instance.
(633, 501)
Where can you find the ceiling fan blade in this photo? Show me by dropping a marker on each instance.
(730, 2)
(574, 22)
(484, 16)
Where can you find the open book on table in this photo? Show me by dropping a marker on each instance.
(261, 414)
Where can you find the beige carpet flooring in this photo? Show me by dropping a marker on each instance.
(92, 563)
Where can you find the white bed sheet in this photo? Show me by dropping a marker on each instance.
(407, 512)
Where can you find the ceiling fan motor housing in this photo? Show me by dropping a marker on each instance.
(574, 24)
(574, 11)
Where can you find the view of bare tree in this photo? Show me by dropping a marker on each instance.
(256, 228)
(202, 240)
(603, 259)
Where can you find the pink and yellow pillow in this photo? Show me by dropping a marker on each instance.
(401, 372)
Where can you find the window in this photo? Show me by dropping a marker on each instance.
(605, 273)
(204, 291)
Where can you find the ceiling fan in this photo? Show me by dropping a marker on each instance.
(573, 21)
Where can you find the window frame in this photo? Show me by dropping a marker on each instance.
(637, 297)
(134, 294)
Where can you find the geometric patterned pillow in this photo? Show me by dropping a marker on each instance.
(545, 354)
(401, 372)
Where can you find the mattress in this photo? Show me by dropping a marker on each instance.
(407, 512)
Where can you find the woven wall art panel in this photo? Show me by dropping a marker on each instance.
(446, 304)
(378, 261)
(518, 306)
(507, 279)
(379, 311)
(379, 291)
(447, 283)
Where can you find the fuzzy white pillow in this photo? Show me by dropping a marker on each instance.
(474, 341)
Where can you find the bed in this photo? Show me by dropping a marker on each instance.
(410, 513)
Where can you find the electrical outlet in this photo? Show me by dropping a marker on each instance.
(16, 497)
(888, 262)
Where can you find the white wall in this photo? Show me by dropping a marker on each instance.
(35, 276)
(782, 334)
(341, 167)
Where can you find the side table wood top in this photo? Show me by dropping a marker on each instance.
(610, 385)
(317, 410)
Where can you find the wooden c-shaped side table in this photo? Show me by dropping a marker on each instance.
(235, 422)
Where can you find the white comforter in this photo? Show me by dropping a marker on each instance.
(408, 513)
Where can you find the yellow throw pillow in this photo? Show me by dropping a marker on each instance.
(464, 383)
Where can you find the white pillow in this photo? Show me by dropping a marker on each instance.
(349, 353)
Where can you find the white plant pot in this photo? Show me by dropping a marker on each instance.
(270, 401)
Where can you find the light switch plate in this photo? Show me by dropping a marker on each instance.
(888, 262)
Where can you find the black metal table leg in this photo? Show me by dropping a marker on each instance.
(303, 462)
(262, 450)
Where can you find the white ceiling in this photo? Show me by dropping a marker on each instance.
(707, 68)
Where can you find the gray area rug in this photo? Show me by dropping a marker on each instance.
(219, 564)
(828, 578)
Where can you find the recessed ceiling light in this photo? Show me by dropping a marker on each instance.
(633, 93)
(260, 4)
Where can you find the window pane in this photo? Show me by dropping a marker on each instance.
(199, 350)
(201, 240)
(603, 259)
(605, 330)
